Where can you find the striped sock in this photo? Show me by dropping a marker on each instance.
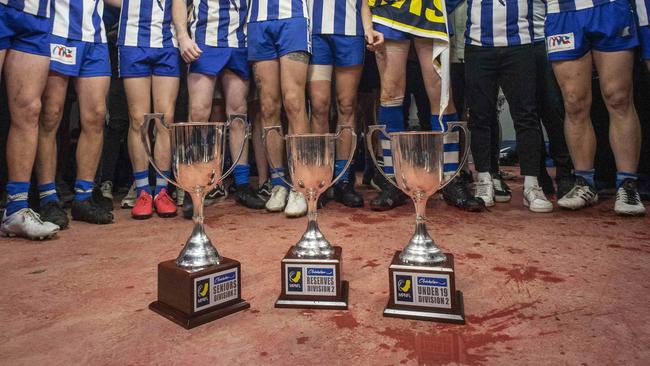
(587, 175)
(621, 176)
(241, 173)
(83, 189)
(17, 193)
(339, 164)
(451, 142)
(393, 117)
(47, 193)
(276, 175)
(141, 182)
(161, 183)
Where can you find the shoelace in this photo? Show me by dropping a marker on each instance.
(537, 194)
(483, 189)
(33, 215)
(629, 196)
(499, 185)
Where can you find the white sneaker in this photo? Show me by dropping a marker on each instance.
(28, 224)
(179, 196)
(628, 201)
(536, 201)
(278, 199)
(296, 205)
(580, 196)
(107, 189)
(485, 191)
(129, 200)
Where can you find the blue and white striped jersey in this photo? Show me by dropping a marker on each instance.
(146, 23)
(341, 17)
(643, 12)
(79, 20)
(539, 17)
(263, 10)
(499, 23)
(562, 6)
(220, 23)
(40, 8)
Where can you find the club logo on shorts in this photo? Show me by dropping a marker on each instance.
(63, 54)
(294, 279)
(202, 292)
(404, 286)
(560, 42)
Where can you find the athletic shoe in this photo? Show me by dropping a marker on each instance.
(344, 193)
(188, 206)
(536, 201)
(65, 193)
(387, 199)
(165, 205)
(143, 208)
(27, 224)
(501, 189)
(265, 190)
(107, 189)
(580, 196)
(219, 193)
(485, 192)
(507, 175)
(628, 201)
(296, 205)
(99, 200)
(457, 194)
(129, 200)
(246, 195)
(564, 185)
(278, 199)
(87, 211)
(53, 212)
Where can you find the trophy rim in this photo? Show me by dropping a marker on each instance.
(404, 133)
(183, 124)
(311, 135)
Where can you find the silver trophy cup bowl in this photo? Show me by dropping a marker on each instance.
(197, 150)
(311, 160)
(418, 160)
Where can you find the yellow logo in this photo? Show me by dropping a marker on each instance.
(406, 286)
(296, 277)
(204, 290)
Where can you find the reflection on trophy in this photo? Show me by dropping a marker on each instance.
(421, 276)
(311, 269)
(200, 285)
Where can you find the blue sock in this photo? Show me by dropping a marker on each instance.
(83, 189)
(47, 193)
(141, 182)
(451, 144)
(16, 197)
(393, 118)
(161, 183)
(621, 176)
(338, 168)
(241, 173)
(275, 177)
(588, 175)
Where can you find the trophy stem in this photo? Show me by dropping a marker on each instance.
(421, 249)
(198, 251)
(313, 244)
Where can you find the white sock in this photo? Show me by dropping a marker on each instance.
(530, 181)
(484, 177)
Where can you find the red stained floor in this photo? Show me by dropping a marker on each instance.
(540, 289)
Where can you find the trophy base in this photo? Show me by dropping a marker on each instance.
(313, 283)
(190, 299)
(424, 292)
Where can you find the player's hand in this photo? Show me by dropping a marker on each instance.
(190, 51)
(374, 39)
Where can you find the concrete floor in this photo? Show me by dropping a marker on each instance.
(540, 289)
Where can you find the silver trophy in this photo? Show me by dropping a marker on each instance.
(198, 150)
(418, 162)
(311, 160)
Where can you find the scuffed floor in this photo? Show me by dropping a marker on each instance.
(540, 289)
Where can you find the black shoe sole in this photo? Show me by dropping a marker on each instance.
(356, 205)
(167, 215)
(141, 217)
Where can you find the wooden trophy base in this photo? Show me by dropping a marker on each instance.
(190, 299)
(313, 283)
(424, 292)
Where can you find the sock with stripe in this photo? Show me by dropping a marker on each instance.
(161, 183)
(621, 176)
(451, 142)
(17, 193)
(141, 182)
(276, 175)
(587, 175)
(83, 189)
(393, 118)
(47, 193)
(339, 164)
(241, 174)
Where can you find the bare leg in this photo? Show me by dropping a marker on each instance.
(2, 59)
(258, 148)
(236, 92)
(53, 101)
(138, 95)
(320, 97)
(267, 79)
(293, 71)
(92, 93)
(200, 88)
(165, 91)
(347, 83)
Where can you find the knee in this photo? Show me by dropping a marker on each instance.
(28, 110)
(618, 100)
(576, 106)
(320, 107)
(50, 118)
(270, 111)
(347, 107)
(294, 103)
(94, 119)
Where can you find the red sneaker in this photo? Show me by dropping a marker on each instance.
(143, 208)
(165, 205)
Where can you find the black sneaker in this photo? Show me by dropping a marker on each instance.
(387, 199)
(219, 193)
(65, 193)
(188, 207)
(501, 189)
(265, 190)
(99, 200)
(326, 197)
(344, 193)
(564, 185)
(457, 194)
(247, 196)
(53, 212)
(628, 201)
(88, 212)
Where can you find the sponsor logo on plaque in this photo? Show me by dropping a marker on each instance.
(202, 292)
(433, 291)
(294, 279)
(225, 287)
(320, 281)
(404, 287)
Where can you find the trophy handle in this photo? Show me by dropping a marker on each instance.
(353, 147)
(463, 127)
(265, 133)
(371, 131)
(247, 134)
(144, 135)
